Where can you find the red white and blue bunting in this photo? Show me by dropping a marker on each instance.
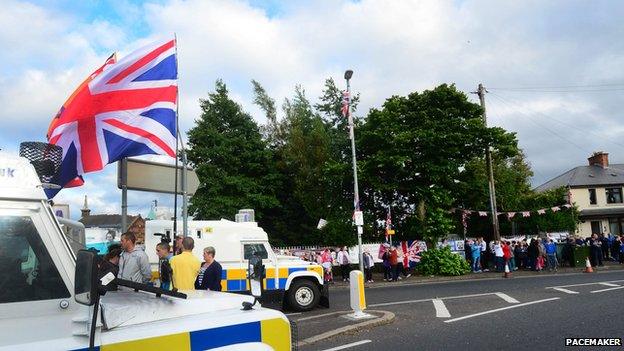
(510, 215)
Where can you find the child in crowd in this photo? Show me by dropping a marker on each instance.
(164, 268)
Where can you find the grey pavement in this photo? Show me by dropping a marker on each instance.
(534, 312)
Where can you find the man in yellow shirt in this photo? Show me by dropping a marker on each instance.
(185, 266)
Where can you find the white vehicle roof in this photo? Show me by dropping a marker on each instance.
(18, 179)
(225, 236)
(242, 230)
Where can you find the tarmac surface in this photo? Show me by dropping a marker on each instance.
(534, 311)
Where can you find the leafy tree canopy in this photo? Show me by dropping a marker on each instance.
(232, 161)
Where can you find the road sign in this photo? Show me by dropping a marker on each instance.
(359, 218)
(152, 176)
(390, 231)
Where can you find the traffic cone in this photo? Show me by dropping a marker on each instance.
(507, 272)
(588, 267)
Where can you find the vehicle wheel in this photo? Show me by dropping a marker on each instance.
(303, 295)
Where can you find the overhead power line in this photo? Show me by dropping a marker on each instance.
(565, 88)
(517, 104)
(533, 120)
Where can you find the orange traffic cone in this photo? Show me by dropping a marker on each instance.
(507, 271)
(588, 267)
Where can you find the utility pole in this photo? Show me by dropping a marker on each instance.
(488, 159)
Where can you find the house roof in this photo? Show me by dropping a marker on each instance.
(106, 220)
(585, 176)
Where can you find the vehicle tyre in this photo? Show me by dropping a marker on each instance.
(303, 295)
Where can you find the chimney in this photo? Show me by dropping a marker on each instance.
(599, 158)
(85, 211)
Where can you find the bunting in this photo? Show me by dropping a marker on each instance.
(525, 214)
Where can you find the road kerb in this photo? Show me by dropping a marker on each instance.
(386, 317)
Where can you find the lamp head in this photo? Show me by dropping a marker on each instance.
(348, 74)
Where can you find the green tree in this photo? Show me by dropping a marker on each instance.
(563, 220)
(232, 161)
(513, 194)
(412, 150)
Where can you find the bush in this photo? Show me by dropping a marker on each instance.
(442, 262)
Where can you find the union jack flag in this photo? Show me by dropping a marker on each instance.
(125, 108)
(415, 249)
(345, 103)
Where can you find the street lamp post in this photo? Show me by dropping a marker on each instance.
(356, 201)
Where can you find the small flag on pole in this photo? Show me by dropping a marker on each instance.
(345, 104)
(388, 222)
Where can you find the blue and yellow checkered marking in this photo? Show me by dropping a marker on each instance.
(273, 332)
(235, 279)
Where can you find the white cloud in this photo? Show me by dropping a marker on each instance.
(394, 47)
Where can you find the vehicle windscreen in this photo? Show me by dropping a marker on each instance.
(27, 272)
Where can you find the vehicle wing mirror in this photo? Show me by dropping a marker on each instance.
(86, 282)
(256, 274)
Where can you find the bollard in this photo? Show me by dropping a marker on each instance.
(358, 299)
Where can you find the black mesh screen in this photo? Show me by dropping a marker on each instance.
(46, 158)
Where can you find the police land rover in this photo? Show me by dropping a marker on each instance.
(51, 297)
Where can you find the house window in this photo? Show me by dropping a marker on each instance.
(614, 195)
(595, 227)
(592, 197)
(615, 226)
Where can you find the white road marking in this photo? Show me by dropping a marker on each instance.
(346, 346)
(441, 310)
(499, 309)
(565, 290)
(293, 314)
(584, 284)
(507, 298)
(609, 289)
(315, 316)
(609, 284)
(426, 300)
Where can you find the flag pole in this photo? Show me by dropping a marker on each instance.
(175, 187)
(183, 154)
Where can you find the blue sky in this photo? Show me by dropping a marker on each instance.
(394, 47)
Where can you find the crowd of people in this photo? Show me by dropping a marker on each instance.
(179, 270)
(536, 254)
(539, 254)
(339, 260)
(183, 271)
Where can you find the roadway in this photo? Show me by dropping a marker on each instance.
(522, 313)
